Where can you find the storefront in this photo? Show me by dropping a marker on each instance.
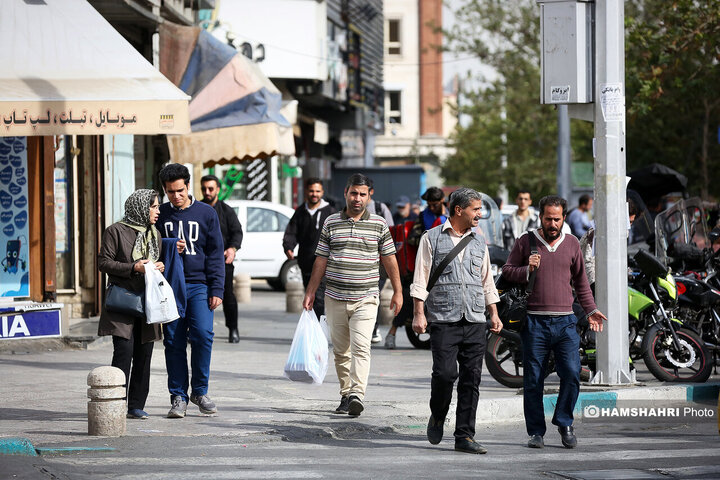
(73, 97)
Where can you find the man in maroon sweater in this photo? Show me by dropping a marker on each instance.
(550, 324)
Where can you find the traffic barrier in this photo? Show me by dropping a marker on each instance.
(107, 408)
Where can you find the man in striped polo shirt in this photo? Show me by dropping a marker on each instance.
(352, 244)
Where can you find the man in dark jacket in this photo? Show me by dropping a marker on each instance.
(232, 234)
(304, 230)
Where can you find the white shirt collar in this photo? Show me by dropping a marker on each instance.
(553, 248)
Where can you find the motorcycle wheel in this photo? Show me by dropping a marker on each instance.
(690, 364)
(421, 341)
(503, 359)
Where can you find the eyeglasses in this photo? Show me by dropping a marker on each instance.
(154, 207)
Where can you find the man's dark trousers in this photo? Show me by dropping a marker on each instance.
(456, 343)
(230, 306)
(542, 334)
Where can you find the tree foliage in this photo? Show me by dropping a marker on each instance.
(673, 88)
(672, 95)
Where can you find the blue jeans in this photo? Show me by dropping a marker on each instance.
(198, 321)
(542, 334)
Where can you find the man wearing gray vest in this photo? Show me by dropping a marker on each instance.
(456, 314)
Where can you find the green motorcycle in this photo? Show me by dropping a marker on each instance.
(672, 351)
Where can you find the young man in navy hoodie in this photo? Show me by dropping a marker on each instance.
(197, 226)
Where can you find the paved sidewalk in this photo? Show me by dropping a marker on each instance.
(44, 393)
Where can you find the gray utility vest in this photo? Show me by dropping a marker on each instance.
(458, 292)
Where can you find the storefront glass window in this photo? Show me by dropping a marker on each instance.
(64, 231)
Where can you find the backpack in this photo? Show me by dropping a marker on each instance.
(405, 253)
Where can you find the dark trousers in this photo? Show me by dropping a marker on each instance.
(459, 343)
(541, 335)
(319, 303)
(230, 308)
(127, 352)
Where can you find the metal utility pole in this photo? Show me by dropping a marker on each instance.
(563, 153)
(583, 69)
(611, 205)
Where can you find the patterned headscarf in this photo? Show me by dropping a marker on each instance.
(137, 216)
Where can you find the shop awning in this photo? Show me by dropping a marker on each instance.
(66, 70)
(236, 113)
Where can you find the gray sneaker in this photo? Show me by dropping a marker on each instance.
(390, 342)
(178, 407)
(206, 405)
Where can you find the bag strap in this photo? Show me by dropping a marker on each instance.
(533, 251)
(446, 261)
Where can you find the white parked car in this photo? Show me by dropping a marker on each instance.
(261, 255)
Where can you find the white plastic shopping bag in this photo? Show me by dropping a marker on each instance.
(160, 306)
(325, 327)
(308, 358)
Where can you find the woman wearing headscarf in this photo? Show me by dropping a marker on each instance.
(126, 247)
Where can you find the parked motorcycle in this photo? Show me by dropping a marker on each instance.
(671, 351)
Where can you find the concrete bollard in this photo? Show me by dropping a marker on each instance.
(386, 315)
(107, 408)
(294, 294)
(241, 287)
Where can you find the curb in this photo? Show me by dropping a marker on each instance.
(17, 446)
(511, 409)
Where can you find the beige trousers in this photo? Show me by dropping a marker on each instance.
(351, 327)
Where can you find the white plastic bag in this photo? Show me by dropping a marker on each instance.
(308, 358)
(325, 327)
(160, 306)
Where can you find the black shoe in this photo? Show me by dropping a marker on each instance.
(468, 445)
(343, 407)
(435, 430)
(536, 441)
(567, 434)
(355, 406)
(234, 336)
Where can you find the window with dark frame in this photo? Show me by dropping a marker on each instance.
(393, 45)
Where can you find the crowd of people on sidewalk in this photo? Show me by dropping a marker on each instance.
(345, 258)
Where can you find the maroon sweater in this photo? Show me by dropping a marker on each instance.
(559, 271)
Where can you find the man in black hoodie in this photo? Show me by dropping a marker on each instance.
(232, 234)
(304, 230)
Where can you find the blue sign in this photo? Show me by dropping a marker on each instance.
(32, 324)
(14, 256)
(5, 199)
(6, 175)
(21, 219)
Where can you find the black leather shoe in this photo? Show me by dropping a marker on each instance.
(468, 445)
(343, 407)
(435, 430)
(567, 434)
(234, 336)
(536, 441)
(355, 406)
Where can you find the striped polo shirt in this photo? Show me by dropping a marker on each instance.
(353, 251)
